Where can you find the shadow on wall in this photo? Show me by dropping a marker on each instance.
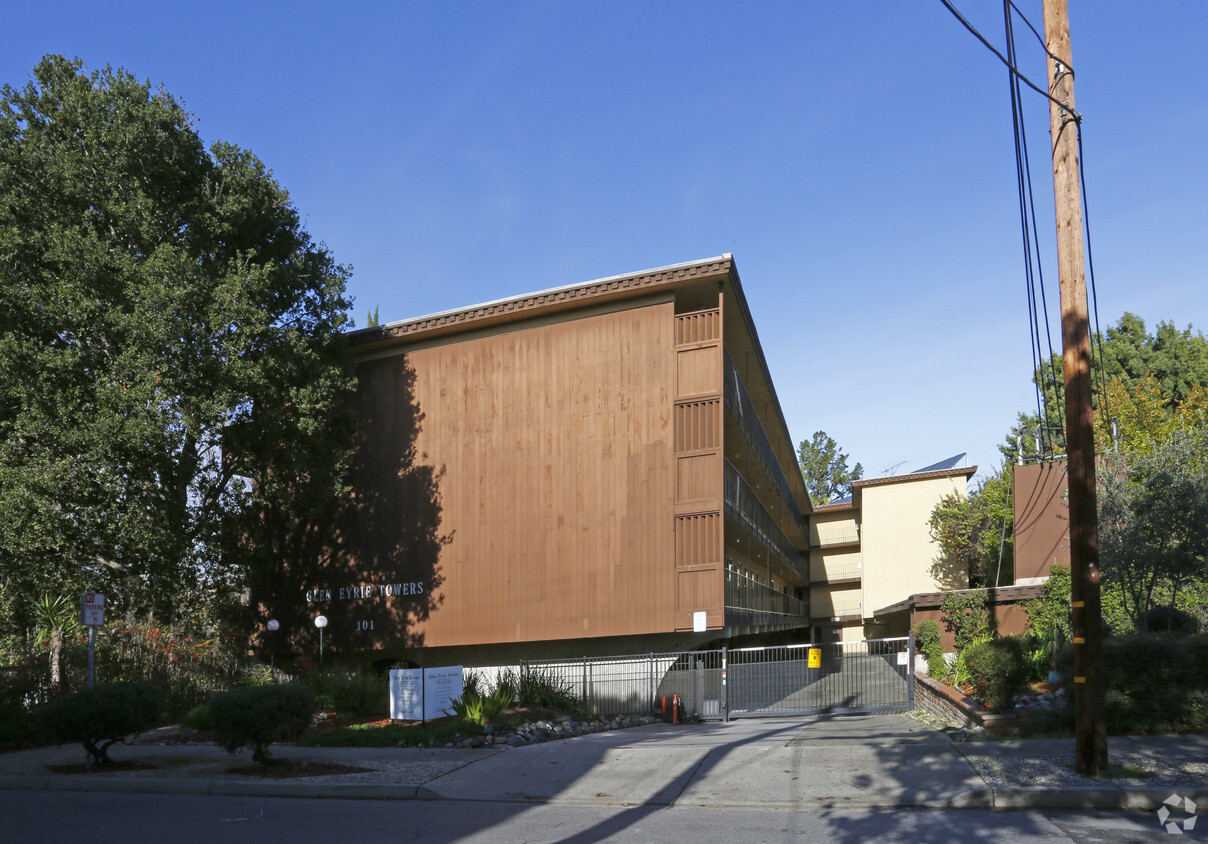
(370, 563)
(949, 574)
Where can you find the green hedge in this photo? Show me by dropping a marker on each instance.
(1157, 683)
(351, 694)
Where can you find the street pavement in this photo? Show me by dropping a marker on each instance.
(821, 763)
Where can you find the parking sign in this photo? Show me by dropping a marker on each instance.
(92, 606)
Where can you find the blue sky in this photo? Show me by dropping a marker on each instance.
(856, 158)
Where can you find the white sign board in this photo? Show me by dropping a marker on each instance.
(92, 609)
(407, 694)
(441, 685)
(417, 694)
(700, 622)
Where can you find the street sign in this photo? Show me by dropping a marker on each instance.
(92, 605)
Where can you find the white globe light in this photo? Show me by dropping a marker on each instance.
(321, 622)
(273, 625)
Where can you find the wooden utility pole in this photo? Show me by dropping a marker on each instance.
(1090, 722)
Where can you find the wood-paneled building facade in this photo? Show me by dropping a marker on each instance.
(604, 466)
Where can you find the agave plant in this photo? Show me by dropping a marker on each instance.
(478, 708)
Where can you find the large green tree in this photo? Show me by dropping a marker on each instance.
(1150, 382)
(168, 332)
(1153, 522)
(824, 468)
(975, 535)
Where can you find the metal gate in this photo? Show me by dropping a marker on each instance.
(840, 677)
(843, 677)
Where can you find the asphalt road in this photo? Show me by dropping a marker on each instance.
(94, 818)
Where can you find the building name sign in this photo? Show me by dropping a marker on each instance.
(367, 590)
(417, 694)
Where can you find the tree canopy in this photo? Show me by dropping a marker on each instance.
(824, 468)
(168, 332)
(975, 535)
(1152, 493)
(1153, 521)
(1151, 383)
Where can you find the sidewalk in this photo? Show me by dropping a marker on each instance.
(854, 761)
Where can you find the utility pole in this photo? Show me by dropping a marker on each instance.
(1090, 725)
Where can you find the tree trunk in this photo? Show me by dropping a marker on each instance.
(56, 652)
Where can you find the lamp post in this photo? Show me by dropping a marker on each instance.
(273, 626)
(321, 622)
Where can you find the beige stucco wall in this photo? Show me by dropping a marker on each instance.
(826, 602)
(838, 526)
(897, 548)
(840, 563)
(853, 633)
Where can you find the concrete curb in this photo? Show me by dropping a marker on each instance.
(998, 798)
(1129, 798)
(241, 788)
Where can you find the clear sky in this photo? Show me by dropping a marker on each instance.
(855, 157)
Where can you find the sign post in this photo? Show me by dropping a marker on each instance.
(92, 612)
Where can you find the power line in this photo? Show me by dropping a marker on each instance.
(1033, 266)
(1010, 65)
(1039, 37)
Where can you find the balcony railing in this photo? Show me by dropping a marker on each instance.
(830, 572)
(740, 404)
(746, 592)
(838, 536)
(837, 609)
(744, 506)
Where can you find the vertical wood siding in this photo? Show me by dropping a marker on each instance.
(558, 482)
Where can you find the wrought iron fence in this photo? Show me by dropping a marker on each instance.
(867, 676)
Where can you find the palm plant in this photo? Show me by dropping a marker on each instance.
(55, 616)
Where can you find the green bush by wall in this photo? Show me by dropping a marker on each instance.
(257, 716)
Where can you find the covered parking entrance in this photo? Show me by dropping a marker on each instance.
(724, 683)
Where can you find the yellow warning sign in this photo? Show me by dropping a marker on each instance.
(815, 658)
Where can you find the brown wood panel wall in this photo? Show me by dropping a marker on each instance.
(699, 569)
(557, 484)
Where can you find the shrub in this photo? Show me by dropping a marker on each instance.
(1170, 620)
(538, 687)
(473, 684)
(257, 716)
(1043, 649)
(479, 709)
(927, 641)
(101, 717)
(966, 616)
(188, 668)
(199, 718)
(999, 670)
(353, 694)
(23, 688)
(1156, 682)
(1195, 649)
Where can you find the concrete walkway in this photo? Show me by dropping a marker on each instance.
(853, 761)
